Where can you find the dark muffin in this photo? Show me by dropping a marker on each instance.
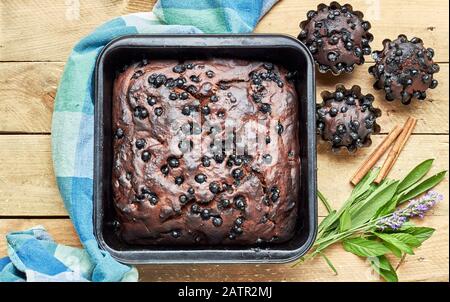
(346, 118)
(404, 69)
(337, 37)
(205, 152)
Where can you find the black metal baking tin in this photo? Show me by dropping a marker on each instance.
(278, 49)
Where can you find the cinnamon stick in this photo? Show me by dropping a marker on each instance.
(396, 149)
(411, 128)
(372, 159)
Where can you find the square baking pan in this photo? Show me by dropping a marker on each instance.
(278, 49)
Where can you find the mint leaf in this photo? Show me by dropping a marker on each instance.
(389, 275)
(398, 253)
(364, 247)
(383, 267)
(415, 175)
(407, 225)
(389, 238)
(420, 233)
(422, 187)
(373, 204)
(408, 239)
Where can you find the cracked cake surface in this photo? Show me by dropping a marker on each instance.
(205, 152)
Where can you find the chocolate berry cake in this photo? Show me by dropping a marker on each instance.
(205, 152)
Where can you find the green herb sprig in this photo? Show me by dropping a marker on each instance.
(371, 224)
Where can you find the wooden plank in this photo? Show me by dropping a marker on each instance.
(46, 30)
(27, 184)
(27, 92)
(430, 262)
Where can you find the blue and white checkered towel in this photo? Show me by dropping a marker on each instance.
(33, 255)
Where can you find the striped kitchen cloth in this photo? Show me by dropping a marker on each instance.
(33, 255)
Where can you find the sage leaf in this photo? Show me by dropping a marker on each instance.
(325, 221)
(389, 238)
(420, 233)
(388, 208)
(373, 204)
(415, 175)
(364, 247)
(374, 189)
(363, 189)
(422, 187)
(345, 222)
(365, 183)
(324, 202)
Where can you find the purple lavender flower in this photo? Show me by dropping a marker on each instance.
(415, 208)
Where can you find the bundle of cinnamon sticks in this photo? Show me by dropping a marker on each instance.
(398, 137)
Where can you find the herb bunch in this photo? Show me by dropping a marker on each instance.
(374, 220)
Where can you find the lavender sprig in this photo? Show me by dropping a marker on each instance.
(416, 208)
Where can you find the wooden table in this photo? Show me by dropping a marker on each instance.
(36, 37)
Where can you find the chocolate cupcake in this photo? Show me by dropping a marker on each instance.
(404, 69)
(337, 37)
(347, 118)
